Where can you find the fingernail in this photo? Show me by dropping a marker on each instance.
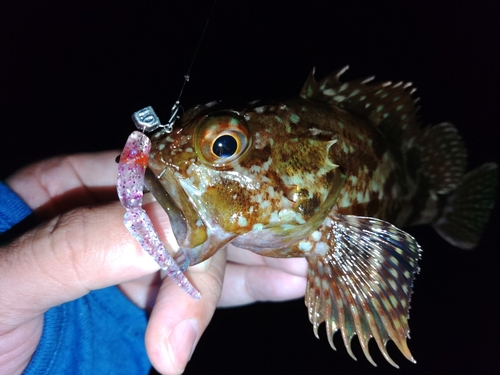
(182, 341)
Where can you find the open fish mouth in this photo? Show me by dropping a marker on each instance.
(188, 225)
(164, 198)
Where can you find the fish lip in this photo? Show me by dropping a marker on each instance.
(165, 196)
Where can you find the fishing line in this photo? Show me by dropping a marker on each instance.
(187, 75)
(146, 119)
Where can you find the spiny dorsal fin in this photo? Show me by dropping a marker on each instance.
(389, 106)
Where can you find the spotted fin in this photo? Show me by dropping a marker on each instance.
(443, 156)
(468, 207)
(360, 278)
(389, 106)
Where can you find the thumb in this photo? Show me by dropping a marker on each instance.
(178, 321)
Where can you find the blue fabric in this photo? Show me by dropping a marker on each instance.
(12, 208)
(100, 333)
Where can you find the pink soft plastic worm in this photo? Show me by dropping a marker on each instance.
(131, 170)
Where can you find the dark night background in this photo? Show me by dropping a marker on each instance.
(72, 73)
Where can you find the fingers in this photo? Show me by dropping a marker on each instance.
(84, 249)
(247, 284)
(91, 178)
(251, 277)
(294, 266)
(178, 321)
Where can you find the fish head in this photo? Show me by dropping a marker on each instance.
(254, 175)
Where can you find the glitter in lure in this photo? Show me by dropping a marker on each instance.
(131, 169)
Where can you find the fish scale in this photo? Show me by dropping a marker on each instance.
(332, 176)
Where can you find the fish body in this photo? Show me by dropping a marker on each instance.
(330, 176)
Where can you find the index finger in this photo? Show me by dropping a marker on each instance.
(91, 179)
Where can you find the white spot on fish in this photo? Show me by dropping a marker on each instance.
(274, 217)
(344, 86)
(354, 92)
(393, 284)
(359, 197)
(316, 235)
(287, 215)
(257, 198)
(267, 164)
(305, 246)
(255, 169)
(321, 248)
(315, 132)
(345, 201)
(270, 191)
(242, 221)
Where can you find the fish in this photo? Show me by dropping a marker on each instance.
(331, 175)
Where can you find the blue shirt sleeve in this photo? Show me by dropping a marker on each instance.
(13, 210)
(100, 333)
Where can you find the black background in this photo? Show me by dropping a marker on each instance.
(72, 73)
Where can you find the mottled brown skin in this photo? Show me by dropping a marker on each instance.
(300, 154)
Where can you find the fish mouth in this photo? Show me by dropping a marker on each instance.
(197, 235)
(175, 215)
(187, 226)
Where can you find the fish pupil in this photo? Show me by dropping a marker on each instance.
(225, 146)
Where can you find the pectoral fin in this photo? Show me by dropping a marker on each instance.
(360, 277)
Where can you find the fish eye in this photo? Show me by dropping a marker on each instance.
(225, 146)
(221, 139)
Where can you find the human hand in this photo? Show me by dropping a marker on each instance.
(83, 245)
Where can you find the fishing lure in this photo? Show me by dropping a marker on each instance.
(130, 183)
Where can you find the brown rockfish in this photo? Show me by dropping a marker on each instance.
(330, 176)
